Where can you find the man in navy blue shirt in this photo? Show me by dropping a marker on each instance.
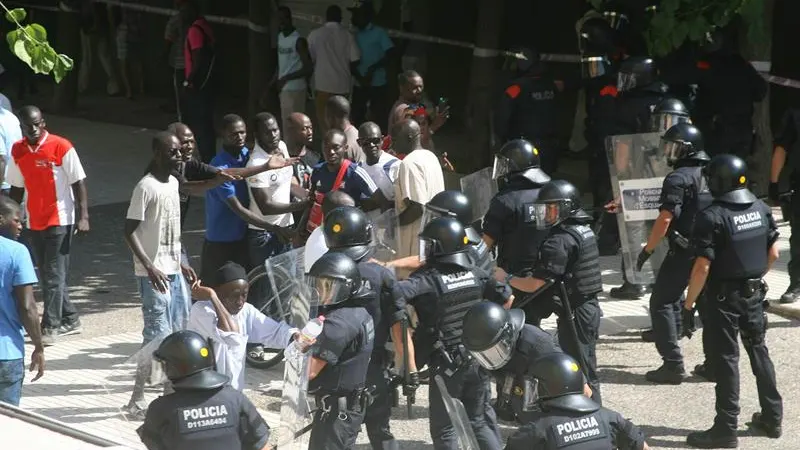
(355, 181)
(227, 213)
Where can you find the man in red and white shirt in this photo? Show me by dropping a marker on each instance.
(48, 167)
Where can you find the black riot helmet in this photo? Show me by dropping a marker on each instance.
(636, 72)
(333, 279)
(667, 113)
(443, 240)
(597, 37)
(558, 200)
(519, 156)
(188, 361)
(727, 180)
(522, 60)
(348, 230)
(615, 15)
(450, 203)
(490, 333)
(558, 382)
(683, 142)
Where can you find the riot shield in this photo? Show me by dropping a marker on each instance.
(458, 417)
(274, 288)
(637, 172)
(385, 233)
(480, 188)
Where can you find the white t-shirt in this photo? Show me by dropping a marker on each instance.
(230, 348)
(278, 184)
(157, 206)
(384, 173)
(332, 49)
(315, 248)
(419, 178)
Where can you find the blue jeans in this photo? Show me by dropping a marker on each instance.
(166, 313)
(12, 371)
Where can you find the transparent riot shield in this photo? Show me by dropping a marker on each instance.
(638, 170)
(458, 417)
(480, 188)
(385, 229)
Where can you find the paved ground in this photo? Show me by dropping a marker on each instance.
(87, 380)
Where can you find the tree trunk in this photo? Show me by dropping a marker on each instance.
(65, 95)
(260, 42)
(760, 160)
(488, 31)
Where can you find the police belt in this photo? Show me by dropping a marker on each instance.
(677, 241)
(356, 401)
(746, 286)
(451, 359)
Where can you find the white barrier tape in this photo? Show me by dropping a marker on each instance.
(761, 66)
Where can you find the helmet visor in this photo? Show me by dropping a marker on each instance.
(661, 122)
(499, 354)
(326, 290)
(158, 372)
(530, 394)
(546, 214)
(502, 167)
(425, 249)
(626, 81)
(429, 214)
(593, 66)
(673, 151)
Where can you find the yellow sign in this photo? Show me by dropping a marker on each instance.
(742, 179)
(204, 352)
(337, 228)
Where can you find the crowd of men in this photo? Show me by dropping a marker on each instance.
(461, 300)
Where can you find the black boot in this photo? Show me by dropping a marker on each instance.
(648, 335)
(712, 439)
(628, 291)
(791, 295)
(704, 371)
(770, 429)
(666, 374)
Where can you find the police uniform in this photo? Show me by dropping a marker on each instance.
(788, 137)
(509, 221)
(566, 419)
(442, 291)
(684, 193)
(203, 412)
(345, 344)
(735, 235)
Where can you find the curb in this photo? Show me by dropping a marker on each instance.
(788, 311)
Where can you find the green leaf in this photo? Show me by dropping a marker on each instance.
(44, 60)
(37, 31)
(698, 28)
(20, 49)
(11, 37)
(669, 6)
(66, 61)
(63, 65)
(679, 34)
(16, 15)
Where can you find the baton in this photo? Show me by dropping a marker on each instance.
(529, 298)
(571, 324)
(410, 397)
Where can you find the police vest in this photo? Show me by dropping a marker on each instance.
(583, 277)
(350, 371)
(212, 424)
(518, 250)
(533, 116)
(696, 198)
(372, 279)
(459, 289)
(589, 432)
(743, 250)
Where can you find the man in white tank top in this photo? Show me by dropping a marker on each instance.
(381, 166)
(294, 66)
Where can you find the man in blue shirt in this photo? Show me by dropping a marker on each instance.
(355, 181)
(17, 306)
(227, 213)
(371, 87)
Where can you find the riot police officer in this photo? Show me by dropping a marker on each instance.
(735, 243)
(568, 256)
(639, 94)
(456, 204)
(527, 108)
(567, 419)
(204, 412)
(668, 113)
(340, 356)
(442, 291)
(684, 193)
(348, 230)
(509, 223)
(501, 342)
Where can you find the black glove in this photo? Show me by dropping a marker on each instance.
(687, 322)
(410, 387)
(644, 255)
(773, 193)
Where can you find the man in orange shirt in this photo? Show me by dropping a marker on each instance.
(48, 167)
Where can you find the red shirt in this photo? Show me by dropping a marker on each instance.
(198, 36)
(47, 171)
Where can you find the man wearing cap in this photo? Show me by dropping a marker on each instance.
(224, 316)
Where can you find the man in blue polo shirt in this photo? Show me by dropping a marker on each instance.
(355, 181)
(17, 306)
(227, 213)
(371, 87)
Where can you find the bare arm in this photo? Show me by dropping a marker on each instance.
(697, 280)
(26, 306)
(659, 230)
(773, 256)
(249, 217)
(199, 188)
(412, 212)
(778, 161)
(270, 208)
(82, 199)
(225, 321)
(397, 340)
(316, 367)
(488, 240)
(377, 200)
